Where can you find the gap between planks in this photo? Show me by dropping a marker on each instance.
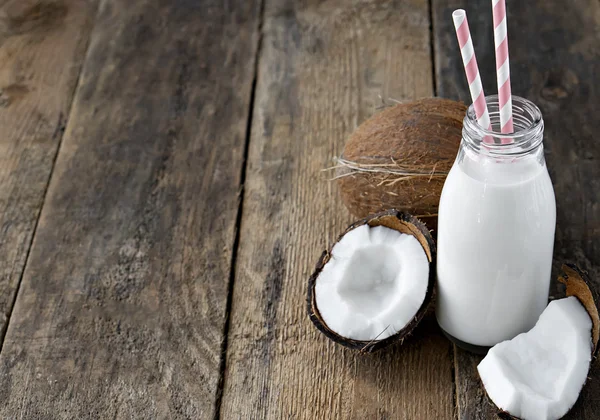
(238, 220)
(432, 46)
(60, 132)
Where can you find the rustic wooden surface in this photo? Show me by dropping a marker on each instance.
(122, 306)
(554, 60)
(321, 70)
(182, 213)
(41, 52)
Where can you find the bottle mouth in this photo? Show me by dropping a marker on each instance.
(528, 128)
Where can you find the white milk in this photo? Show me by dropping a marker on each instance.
(495, 238)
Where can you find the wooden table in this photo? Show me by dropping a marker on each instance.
(162, 202)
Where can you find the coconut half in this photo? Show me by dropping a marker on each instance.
(539, 375)
(374, 285)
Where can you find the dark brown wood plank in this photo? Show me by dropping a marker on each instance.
(123, 302)
(42, 46)
(555, 58)
(322, 69)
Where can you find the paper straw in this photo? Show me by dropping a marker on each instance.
(472, 71)
(502, 67)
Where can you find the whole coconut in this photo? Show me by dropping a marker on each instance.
(400, 157)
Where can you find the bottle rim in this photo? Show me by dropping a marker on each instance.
(528, 124)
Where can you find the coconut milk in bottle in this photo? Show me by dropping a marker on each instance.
(496, 223)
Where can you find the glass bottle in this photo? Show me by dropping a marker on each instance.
(496, 224)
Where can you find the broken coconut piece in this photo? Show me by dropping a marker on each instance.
(372, 288)
(576, 282)
(539, 374)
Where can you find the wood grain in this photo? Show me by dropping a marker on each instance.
(554, 57)
(321, 70)
(123, 301)
(40, 60)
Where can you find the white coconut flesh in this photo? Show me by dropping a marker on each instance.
(373, 284)
(539, 374)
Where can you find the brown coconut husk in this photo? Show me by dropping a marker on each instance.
(577, 283)
(401, 222)
(400, 157)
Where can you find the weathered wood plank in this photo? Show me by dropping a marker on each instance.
(555, 58)
(42, 45)
(321, 69)
(123, 302)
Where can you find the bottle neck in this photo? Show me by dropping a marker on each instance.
(525, 140)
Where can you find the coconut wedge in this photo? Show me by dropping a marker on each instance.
(374, 285)
(576, 282)
(539, 375)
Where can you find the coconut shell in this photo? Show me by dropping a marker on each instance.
(422, 136)
(401, 222)
(577, 283)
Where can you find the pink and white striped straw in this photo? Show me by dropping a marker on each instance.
(472, 71)
(502, 66)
